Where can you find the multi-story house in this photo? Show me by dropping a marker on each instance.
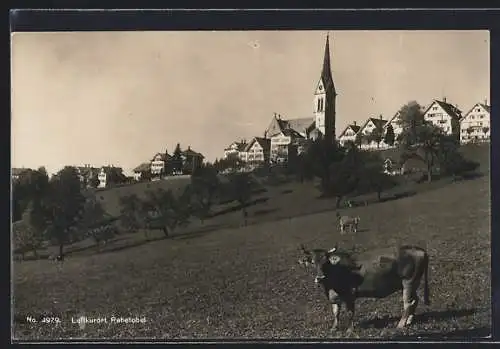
(86, 172)
(445, 116)
(16, 172)
(236, 150)
(285, 145)
(258, 150)
(368, 129)
(109, 175)
(475, 124)
(349, 134)
(158, 165)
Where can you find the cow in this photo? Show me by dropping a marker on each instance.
(348, 222)
(344, 278)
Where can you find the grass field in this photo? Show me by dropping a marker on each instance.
(223, 280)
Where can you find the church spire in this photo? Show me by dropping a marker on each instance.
(326, 73)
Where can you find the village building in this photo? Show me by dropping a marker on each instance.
(372, 127)
(445, 116)
(288, 136)
(475, 124)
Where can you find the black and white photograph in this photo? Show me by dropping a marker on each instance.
(277, 185)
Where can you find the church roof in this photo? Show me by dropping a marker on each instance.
(326, 72)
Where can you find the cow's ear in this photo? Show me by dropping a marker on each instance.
(334, 259)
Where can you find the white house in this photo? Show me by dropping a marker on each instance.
(158, 165)
(257, 151)
(349, 134)
(475, 124)
(284, 145)
(444, 115)
(107, 175)
(236, 149)
(371, 125)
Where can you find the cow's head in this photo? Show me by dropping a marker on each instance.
(318, 259)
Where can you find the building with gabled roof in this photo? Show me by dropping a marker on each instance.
(257, 151)
(349, 133)
(475, 125)
(444, 115)
(371, 125)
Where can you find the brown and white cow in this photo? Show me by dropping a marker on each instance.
(345, 279)
(348, 222)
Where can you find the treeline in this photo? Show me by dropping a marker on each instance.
(59, 212)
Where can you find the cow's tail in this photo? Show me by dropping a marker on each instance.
(427, 300)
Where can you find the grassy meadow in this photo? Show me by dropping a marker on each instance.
(223, 280)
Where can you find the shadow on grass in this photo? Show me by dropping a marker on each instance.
(397, 196)
(475, 333)
(469, 176)
(202, 231)
(388, 321)
(287, 191)
(239, 207)
(264, 212)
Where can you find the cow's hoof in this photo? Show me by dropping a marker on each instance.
(350, 333)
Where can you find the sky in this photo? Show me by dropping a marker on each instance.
(118, 98)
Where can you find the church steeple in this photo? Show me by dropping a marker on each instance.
(324, 102)
(326, 72)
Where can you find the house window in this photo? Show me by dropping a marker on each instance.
(434, 108)
(472, 117)
(478, 110)
(481, 116)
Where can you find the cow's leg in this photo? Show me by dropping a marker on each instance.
(407, 304)
(336, 315)
(413, 306)
(350, 308)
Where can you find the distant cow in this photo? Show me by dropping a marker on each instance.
(348, 222)
(344, 279)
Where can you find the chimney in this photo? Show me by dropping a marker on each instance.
(265, 134)
(274, 115)
(354, 122)
(380, 116)
(444, 99)
(485, 101)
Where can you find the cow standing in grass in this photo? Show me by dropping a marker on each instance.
(344, 279)
(348, 222)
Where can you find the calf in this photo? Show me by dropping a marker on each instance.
(348, 222)
(344, 279)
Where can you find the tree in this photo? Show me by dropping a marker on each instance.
(372, 177)
(242, 187)
(376, 136)
(321, 155)
(93, 180)
(389, 136)
(64, 206)
(418, 139)
(95, 222)
(31, 185)
(176, 161)
(165, 211)
(204, 187)
(133, 214)
(29, 232)
(486, 129)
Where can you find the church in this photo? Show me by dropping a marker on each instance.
(289, 135)
(285, 138)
